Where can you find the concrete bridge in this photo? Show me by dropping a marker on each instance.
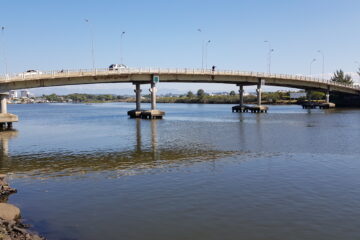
(150, 76)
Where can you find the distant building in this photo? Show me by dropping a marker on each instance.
(219, 93)
(297, 95)
(13, 94)
(25, 94)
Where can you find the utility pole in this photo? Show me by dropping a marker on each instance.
(269, 55)
(92, 42)
(202, 48)
(121, 50)
(4, 48)
(323, 63)
(206, 53)
(312, 61)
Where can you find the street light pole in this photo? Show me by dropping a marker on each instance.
(269, 55)
(206, 53)
(121, 43)
(4, 48)
(312, 61)
(202, 49)
(323, 63)
(92, 42)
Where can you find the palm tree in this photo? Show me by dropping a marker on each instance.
(341, 77)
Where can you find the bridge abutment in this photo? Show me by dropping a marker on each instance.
(6, 119)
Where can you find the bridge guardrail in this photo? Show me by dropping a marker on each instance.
(95, 72)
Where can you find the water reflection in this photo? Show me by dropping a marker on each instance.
(4, 142)
(138, 135)
(144, 157)
(154, 140)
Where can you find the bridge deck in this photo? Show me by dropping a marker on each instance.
(74, 77)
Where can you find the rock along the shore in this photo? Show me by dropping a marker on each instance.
(11, 227)
(9, 212)
(5, 189)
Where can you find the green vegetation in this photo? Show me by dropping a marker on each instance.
(83, 98)
(340, 77)
(279, 97)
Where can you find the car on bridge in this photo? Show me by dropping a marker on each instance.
(117, 67)
(31, 72)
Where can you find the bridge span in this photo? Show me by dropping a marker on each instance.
(140, 76)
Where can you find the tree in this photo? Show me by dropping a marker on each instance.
(190, 94)
(232, 93)
(340, 77)
(200, 93)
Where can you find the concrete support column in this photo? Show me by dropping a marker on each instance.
(153, 91)
(327, 96)
(258, 91)
(308, 95)
(3, 104)
(241, 93)
(138, 96)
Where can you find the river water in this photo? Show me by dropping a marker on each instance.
(87, 171)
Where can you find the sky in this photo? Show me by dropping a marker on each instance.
(53, 35)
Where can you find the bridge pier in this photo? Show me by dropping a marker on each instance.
(308, 104)
(153, 91)
(258, 93)
(138, 96)
(254, 109)
(327, 96)
(240, 107)
(153, 113)
(241, 95)
(258, 108)
(136, 113)
(6, 119)
(327, 103)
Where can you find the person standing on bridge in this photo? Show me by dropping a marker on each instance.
(213, 68)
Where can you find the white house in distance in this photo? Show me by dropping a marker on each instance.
(13, 94)
(25, 94)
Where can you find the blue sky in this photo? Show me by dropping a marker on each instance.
(49, 35)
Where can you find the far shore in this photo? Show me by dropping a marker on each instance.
(268, 98)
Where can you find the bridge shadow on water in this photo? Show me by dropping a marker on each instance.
(142, 158)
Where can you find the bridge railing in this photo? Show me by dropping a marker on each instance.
(102, 72)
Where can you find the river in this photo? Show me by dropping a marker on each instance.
(87, 171)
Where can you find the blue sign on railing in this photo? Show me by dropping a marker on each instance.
(156, 78)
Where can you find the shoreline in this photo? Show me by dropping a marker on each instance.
(176, 102)
(11, 226)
